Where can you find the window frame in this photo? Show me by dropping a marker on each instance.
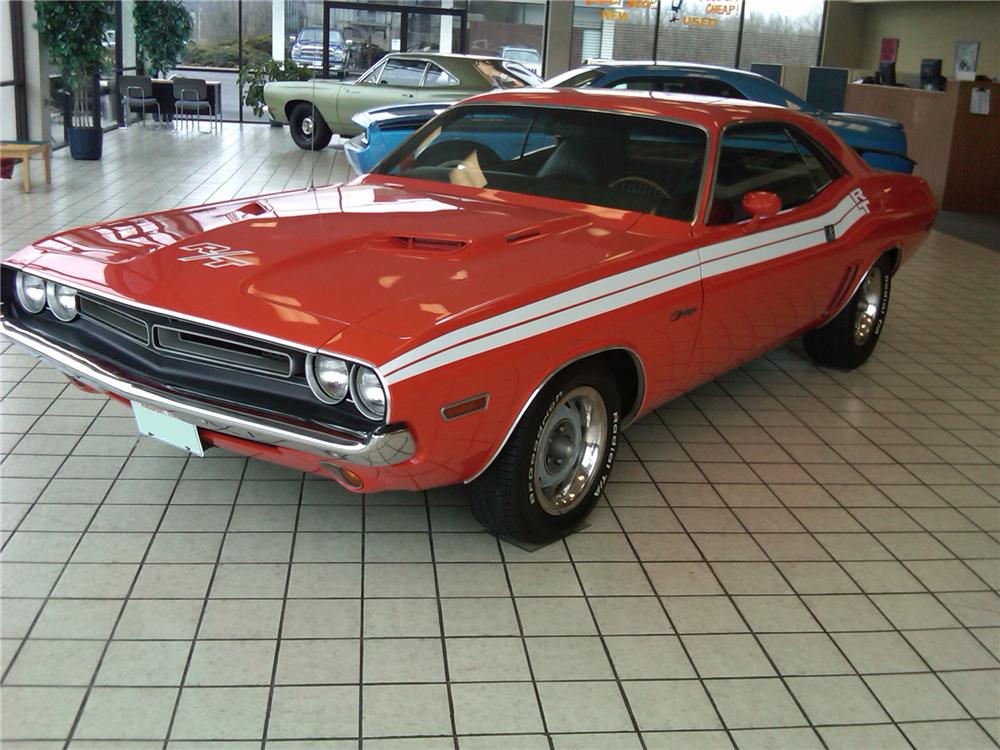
(452, 79)
(832, 165)
(371, 76)
(702, 190)
(417, 85)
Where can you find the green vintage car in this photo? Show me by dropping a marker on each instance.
(398, 78)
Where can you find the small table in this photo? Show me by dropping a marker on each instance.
(23, 150)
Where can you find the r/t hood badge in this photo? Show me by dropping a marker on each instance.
(214, 255)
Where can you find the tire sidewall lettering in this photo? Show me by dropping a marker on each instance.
(532, 499)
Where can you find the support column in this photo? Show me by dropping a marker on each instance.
(558, 37)
(278, 30)
(445, 41)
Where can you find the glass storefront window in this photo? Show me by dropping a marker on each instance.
(697, 31)
(257, 46)
(775, 31)
(514, 31)
(701, 31)
(214, 34)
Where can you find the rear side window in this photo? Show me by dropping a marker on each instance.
(680, 85)
(765, 157)
(402, 72)
(715, 87)
(437, 76)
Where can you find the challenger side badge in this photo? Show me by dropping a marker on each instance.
(215, 255)
(860, 201)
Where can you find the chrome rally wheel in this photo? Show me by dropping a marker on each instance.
(868, 305)
(553, 468)
(849, 338)
(569, 449)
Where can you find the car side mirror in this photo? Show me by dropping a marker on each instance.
(760, 204)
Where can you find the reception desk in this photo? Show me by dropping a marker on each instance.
(957, 152)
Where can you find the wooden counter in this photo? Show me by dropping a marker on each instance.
(957, 152)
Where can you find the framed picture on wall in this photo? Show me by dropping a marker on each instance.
(889, 50)
(966, 54)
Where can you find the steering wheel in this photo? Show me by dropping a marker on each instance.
(451, 153)
(640, 186)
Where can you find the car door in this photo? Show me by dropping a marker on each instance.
(765, 281)
(397, 81)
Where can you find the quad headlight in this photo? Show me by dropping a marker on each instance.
(368, 393)
(62, 300)
(30, 292)
(331, 378)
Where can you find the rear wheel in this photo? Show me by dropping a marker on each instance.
(552, 470)
(849, 339)
(308, 128)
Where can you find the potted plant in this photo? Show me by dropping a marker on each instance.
(254, 78)
(76, 33)
(162, 33)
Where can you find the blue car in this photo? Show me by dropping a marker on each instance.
(384, 128)
(881, 142)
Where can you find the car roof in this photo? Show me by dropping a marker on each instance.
(615, 64)
(706, 111)
(442, 56)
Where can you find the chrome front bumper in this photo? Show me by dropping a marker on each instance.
(384, 446)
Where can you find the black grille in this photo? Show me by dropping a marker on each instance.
(189, 359)
(111, 316)
(221, 350)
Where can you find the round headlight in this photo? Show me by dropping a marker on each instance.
(62, 300)
(369, 396)
(30, 292)
(332, 377)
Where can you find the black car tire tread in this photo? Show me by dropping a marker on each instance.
(321, 132)
(499, 496)
(833, 344)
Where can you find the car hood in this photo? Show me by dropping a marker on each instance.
(303, 266)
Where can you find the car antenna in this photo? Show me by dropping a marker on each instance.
(312, 135)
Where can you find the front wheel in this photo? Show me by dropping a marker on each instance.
(552, 470)
(308, 128)
(849, 339)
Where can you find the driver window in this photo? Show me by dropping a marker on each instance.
(402, 72)
(372, 75)
(758, 157)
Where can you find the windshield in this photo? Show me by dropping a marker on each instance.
(617, 161)
(315, 36)
(499, 77)
(574, 79)
(522, 55)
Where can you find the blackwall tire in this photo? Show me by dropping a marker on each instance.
(308, 128)
(528, 494)
(848, 340)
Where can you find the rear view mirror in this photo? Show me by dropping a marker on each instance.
(760, 204)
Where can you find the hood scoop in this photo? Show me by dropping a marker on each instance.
(254, 208)
(417, 243)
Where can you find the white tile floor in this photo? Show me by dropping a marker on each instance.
(788, 558)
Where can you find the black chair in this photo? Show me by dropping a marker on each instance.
(191, 101)
(137, 94)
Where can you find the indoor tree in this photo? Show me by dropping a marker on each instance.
(162, 32)
(76, 34)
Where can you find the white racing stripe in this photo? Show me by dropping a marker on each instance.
(621, 290)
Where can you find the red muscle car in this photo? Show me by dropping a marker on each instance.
(521, 279)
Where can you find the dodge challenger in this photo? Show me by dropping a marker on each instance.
(521, 279)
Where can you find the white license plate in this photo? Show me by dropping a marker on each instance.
(168, 428)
